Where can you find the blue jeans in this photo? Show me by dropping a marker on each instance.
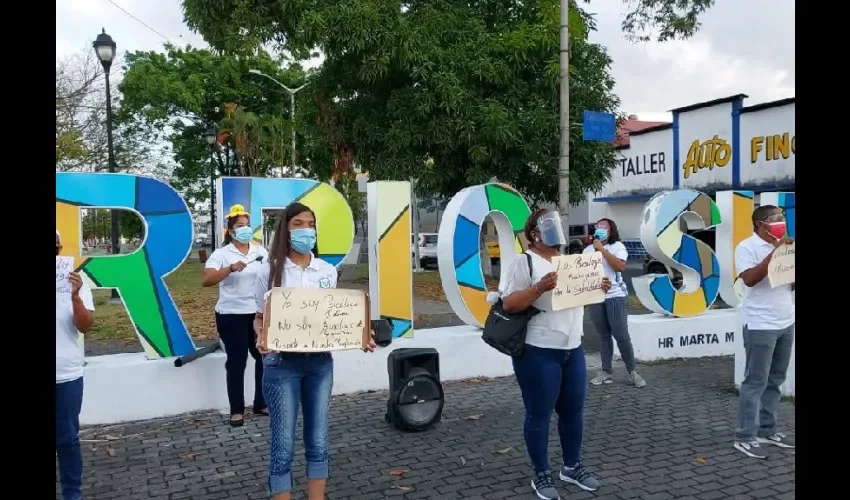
(290, 379)
(69, 401)
(552, 379)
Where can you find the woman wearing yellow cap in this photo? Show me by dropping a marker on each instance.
(233, 267)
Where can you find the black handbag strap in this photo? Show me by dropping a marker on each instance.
(530, 270)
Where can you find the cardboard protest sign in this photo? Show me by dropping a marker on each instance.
(579, 280)
(781, 270)
(315, 320)
(64, 266)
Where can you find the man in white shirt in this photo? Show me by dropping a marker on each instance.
(74, 315)
(768, 317)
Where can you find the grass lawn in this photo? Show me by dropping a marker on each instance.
(197, 304)
(426, 285)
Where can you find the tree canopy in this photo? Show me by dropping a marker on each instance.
(182, 92)
(449, 92)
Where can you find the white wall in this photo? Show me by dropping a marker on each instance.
(625, 213)
(644, 167)
(579, 214)
(701, 126)
(123, 387)
(763, 132)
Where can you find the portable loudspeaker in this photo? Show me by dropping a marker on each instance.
(383, 329)
(416, 396)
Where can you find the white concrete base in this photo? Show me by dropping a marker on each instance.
(124, 387)
(787, 388)
(656, 337)
(352, 255)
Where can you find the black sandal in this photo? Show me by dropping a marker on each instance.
(237, 423)
(262, 411)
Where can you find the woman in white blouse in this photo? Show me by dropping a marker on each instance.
(233, 268)
(551, 372)
(294, 379)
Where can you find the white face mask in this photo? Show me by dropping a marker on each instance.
(551, 230)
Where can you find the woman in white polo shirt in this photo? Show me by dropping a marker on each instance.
(233, 268)
(294, 379)
(611, 318)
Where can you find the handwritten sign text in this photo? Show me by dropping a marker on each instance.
(579, 280)
(315, 320)
(64, 265)
(781, 269)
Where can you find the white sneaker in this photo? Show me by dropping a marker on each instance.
(602, 378)
(636, 379)
(751, 449)
(778, 439)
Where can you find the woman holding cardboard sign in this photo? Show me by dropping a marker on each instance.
(611, 318)
(551, 370)
(296, 378)
(233, 268)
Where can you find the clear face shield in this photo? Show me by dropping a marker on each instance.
(550, 229)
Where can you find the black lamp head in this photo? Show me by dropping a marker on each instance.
(104, 47)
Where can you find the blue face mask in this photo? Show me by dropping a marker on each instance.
(243, 234)
(302, 240)
(601, 234)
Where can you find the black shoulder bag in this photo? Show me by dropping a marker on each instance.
(505, 331)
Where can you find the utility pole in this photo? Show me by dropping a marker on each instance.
(564, 150)
(414, 211)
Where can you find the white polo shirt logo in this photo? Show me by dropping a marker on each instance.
(324, 283)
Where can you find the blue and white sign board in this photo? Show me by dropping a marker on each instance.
(599, 126)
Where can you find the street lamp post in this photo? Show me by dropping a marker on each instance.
(292, 93)
(210, 136)
(104, 47)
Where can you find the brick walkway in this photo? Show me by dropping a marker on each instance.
(669, 440)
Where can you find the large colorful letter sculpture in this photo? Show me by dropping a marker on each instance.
(334, 222)
(459, 243)
(137, 276)
(736, 210)
(390, 272)
(663, 238)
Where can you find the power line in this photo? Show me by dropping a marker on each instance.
(122, 9)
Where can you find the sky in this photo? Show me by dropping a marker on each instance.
(743, 47)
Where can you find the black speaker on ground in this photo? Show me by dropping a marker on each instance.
(383, 329)
(416, 396)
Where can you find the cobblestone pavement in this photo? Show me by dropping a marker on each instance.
(669, 440)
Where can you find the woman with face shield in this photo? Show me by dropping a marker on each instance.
(551, 371)
(611, 318)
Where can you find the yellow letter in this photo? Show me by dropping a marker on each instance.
(755, 147)
(722, 152)
(780, 146)
(692, 162)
